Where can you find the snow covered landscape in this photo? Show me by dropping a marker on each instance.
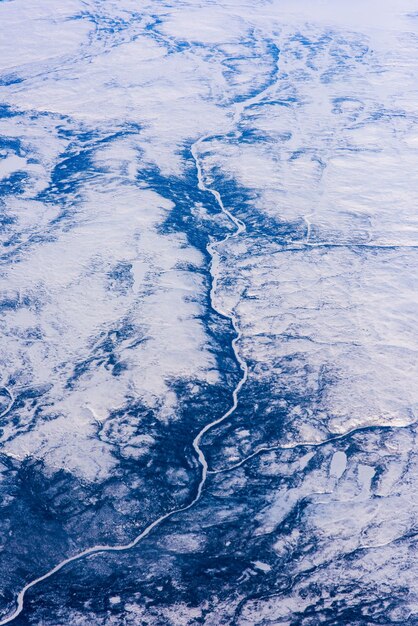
(209, 303)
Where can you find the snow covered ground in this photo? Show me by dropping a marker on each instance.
(208, 312)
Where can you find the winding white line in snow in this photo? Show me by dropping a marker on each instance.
(305, 444)
(211, 248)
(11, 401)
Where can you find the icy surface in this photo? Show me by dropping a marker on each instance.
(209, 297)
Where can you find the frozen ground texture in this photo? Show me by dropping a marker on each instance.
(209, 300)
